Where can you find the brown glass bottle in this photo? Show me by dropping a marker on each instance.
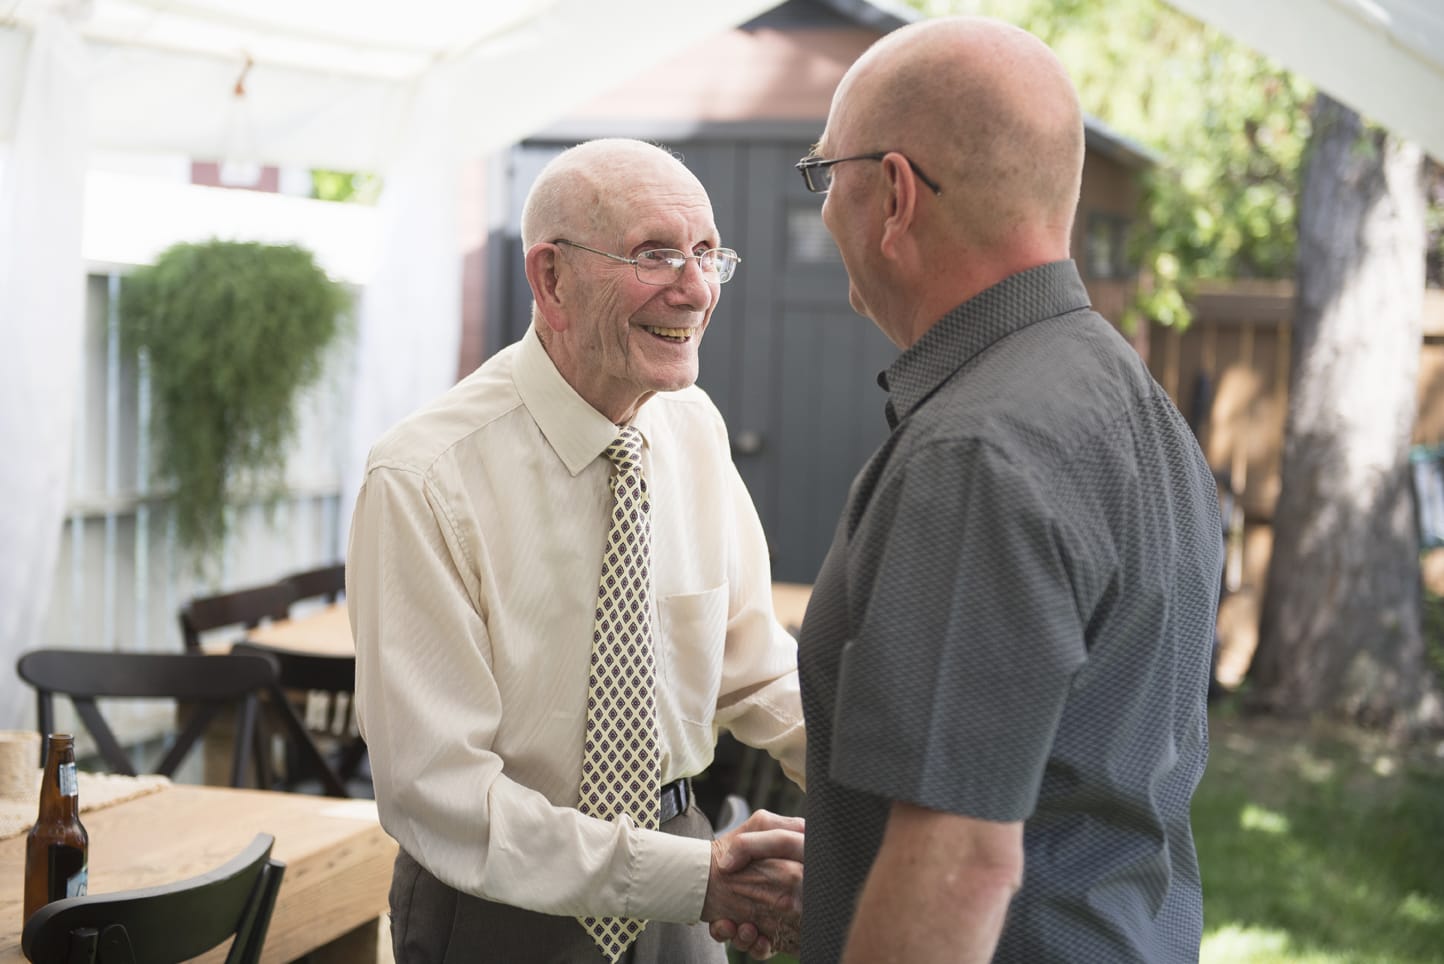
(57, 852)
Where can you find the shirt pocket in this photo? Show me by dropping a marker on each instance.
(694, 633)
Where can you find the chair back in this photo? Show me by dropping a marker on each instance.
(308, 672)
(244, 607)
(171, 923)
(209, 682)
(327, 582)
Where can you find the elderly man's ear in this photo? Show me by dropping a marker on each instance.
(548, 292)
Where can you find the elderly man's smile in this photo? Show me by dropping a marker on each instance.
(678, 336)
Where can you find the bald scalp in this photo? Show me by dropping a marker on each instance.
(574, 196)
(990, 109)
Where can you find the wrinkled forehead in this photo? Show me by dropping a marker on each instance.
(661, 203)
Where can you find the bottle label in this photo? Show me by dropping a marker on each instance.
(75, 886)
(68, 784)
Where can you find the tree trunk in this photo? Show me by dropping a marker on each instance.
(1340, 632)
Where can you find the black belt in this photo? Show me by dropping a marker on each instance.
(675, 798)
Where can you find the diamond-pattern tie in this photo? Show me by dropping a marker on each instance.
(621, 766)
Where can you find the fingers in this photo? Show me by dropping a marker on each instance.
(744, 937)
(740, 847)
(767, 820)
(754, 890)
(761, 836)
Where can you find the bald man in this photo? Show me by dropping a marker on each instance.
(1005, 658)
(472, 581)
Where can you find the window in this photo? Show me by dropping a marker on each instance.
(1105, 246)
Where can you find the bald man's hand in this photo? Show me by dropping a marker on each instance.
(754, 890)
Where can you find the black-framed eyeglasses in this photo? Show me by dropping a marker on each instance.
(663, 266)
(817, 171)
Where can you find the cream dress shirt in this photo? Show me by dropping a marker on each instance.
(471, 581)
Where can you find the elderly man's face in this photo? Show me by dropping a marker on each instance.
(627, 339)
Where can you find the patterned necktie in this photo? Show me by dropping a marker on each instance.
(621, 766)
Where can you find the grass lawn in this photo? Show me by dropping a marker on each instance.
(1319, 845)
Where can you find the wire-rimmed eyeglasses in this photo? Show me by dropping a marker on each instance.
(663, 266)
(817, 171)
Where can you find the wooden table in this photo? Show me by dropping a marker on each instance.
(327, 632)
(338, 859)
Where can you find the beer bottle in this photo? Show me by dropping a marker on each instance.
(57, 852)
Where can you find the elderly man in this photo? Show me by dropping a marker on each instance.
(1005, 657)
(560, 589)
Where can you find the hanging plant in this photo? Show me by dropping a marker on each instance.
(233, 331)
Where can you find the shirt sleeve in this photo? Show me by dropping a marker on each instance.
(429, 706)
(950, 695)
(759, 702)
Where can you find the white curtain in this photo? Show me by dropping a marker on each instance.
(409, 337)
(42, 306)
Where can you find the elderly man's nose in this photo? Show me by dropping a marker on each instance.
(694, 282)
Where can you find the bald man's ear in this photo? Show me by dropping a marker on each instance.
(543, 274)
(900, 207)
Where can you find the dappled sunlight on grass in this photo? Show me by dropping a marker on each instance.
(1257, 818)
(1233, 943)
(1317, 845)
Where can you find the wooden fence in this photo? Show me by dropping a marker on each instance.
(1229, 373)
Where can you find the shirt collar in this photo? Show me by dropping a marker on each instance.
(959, 336)
(578, 433)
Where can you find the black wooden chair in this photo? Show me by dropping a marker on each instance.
(244, 607)
(327, 582)
(208, 683)
(299, 674)
(165, 924)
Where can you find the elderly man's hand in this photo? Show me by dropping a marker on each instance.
(754, 892)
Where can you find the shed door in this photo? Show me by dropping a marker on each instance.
(791, 366)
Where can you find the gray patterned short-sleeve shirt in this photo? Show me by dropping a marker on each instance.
(1015, 622)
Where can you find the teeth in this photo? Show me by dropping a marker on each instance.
(671, 332)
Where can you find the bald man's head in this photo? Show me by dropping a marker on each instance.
(986, 109)
(576, 194)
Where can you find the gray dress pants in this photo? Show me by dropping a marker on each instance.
(432, 923)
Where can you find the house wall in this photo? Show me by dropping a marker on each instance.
(1110, 193)
(744, 80)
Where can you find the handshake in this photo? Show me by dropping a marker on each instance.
(754, 889)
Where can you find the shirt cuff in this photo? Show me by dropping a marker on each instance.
(669, 880)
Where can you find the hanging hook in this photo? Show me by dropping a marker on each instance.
(240, 88)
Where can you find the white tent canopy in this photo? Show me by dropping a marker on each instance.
(410, 90)
(1383, 58)
(329, 83)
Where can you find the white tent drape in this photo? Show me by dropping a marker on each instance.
(42, 309)
(369, 91)
(408, 336)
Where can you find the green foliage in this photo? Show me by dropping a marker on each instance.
(1230, 125)
(231, 331)
(359, 188)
